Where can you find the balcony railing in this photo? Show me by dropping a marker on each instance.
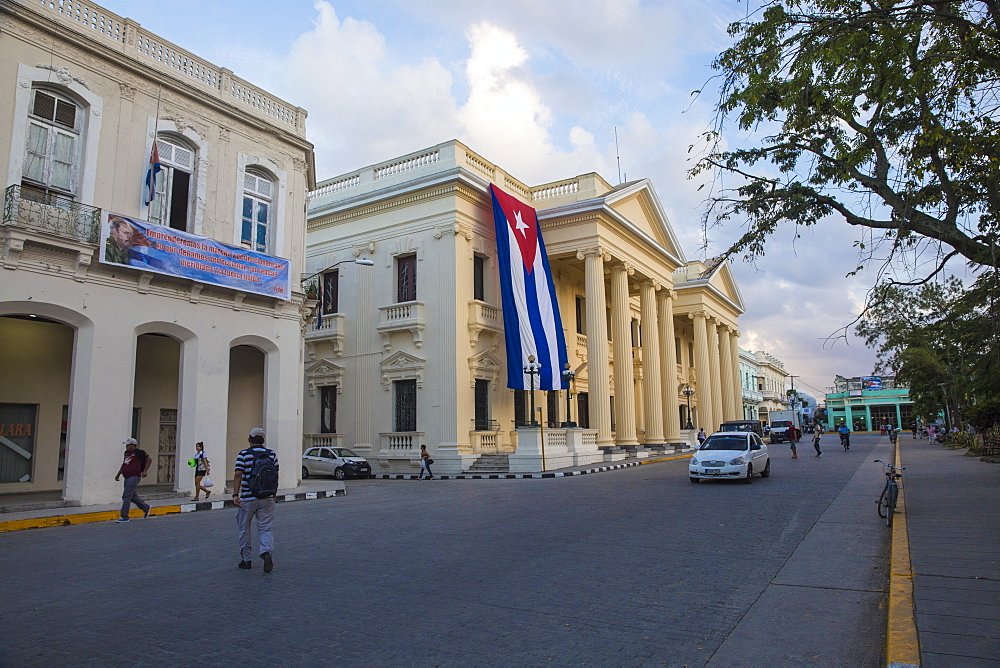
(322, 440)
(330, 328)
(401, 441)
(58, 216)
(401, 317)
(483, 316)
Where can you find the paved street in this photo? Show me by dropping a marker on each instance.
(635, 566)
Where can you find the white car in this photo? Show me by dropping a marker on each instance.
(730, 455)
(338, 462)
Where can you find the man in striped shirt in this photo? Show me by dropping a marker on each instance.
(249, 505)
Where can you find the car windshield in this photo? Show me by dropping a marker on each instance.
(344, 452)
(717, 442)
(781, 423)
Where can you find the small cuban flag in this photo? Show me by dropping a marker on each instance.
(531, 321)
(149, 183)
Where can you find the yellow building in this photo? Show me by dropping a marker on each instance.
(93, 352)
(409, 351)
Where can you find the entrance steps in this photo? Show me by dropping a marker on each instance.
(491, 463)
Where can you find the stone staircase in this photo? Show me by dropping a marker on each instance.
(491, 463)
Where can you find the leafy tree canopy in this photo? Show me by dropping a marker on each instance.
(884, 113)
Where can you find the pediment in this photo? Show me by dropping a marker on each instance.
(638, 203)
(721, 278)
(403, 360)
(324, 367)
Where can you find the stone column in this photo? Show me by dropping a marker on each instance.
(598, 386)
(703, 384)
(715, 377)
(668, 366)
(729, 411)
(734, 353)
(652, 395)
(621, 340)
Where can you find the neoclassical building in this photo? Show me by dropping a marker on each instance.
(95, 346)
(406, 348)
(763, 379)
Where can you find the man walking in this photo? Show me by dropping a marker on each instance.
(134, 468)
(817, 432)
(255, 484)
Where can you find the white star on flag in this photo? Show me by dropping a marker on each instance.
(521, 226)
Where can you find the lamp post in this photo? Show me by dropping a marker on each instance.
(687, 392)
(363, 261)
(532, 370)
(570, 376)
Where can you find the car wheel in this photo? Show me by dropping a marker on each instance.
(696, 480)
(339, 474)
(305, 473)
(749, 477)
(766, 473)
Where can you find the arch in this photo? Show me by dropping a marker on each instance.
(263, 344)
(171, 329)
(60, 314)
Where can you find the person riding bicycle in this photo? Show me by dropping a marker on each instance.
(845, 436)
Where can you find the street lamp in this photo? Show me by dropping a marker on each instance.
(569, 375)
(687, 392)
(363, 261)
(532, 370)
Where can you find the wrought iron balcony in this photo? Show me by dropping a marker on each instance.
(58, 216)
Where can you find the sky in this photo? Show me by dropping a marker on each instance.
(547, 89)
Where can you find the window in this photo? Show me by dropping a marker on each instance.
(174, 194)
(677, 351)
(406, 405)
(552, 408)
(406, 278)
(690, 354)
(521, 408)
(636, 340)
(328, 409)
(331, 291)
(583, 410)
(17, 428)
(257, 198)
(482, 403)
(479, 278)
(607, 316)
(581, 315)
(52, 147)
(612, 398)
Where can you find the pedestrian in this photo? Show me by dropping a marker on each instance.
(133, 469)
(425, 464)
(701, 436)
(792, 440)
(201, 469)
(817, 432)
(883, 430)
(256, 479)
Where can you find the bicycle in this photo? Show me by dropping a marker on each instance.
(890, 493)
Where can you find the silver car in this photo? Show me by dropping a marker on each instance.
(338, 462)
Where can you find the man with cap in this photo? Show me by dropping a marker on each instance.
(133, 468)
(251, 504)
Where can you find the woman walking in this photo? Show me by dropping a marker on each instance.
(201, 465)
(792, 434)
(425, 464)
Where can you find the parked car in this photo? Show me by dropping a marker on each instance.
(756, 426)
(733, 455)
(338, 462)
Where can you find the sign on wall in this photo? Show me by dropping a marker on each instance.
(164, 250)
(871, 382)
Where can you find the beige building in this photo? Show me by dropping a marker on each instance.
(93, 352)
(409, 351)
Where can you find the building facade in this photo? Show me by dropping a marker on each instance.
(763, 378)
(92, 351)
(408, 347)
(866, 403)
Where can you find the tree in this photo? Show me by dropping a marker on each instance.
(884, 114)
(940, 339)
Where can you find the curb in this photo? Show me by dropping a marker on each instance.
(109, 515)
(527, 476)
(902, 645)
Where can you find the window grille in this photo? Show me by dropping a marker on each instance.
(406, 405)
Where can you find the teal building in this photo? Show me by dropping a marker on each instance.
(866, 403)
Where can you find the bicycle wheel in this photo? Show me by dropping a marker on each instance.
(891, 504)
(883, 502)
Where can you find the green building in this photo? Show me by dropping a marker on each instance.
(866, 403)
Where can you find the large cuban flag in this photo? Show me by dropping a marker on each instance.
(531, 321)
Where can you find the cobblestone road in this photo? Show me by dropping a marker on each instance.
(636, 566)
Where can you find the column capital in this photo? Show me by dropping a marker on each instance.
(698, 314)
(616, 264)
(598, 251)
(649, 282)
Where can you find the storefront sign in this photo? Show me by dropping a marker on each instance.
(164, 250)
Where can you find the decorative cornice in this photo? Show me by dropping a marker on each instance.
(64, 75)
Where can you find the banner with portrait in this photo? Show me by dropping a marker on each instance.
(164, 250)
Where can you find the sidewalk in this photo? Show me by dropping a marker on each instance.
(161, 505)
(951, 507)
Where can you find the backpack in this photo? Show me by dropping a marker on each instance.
(263, 480)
